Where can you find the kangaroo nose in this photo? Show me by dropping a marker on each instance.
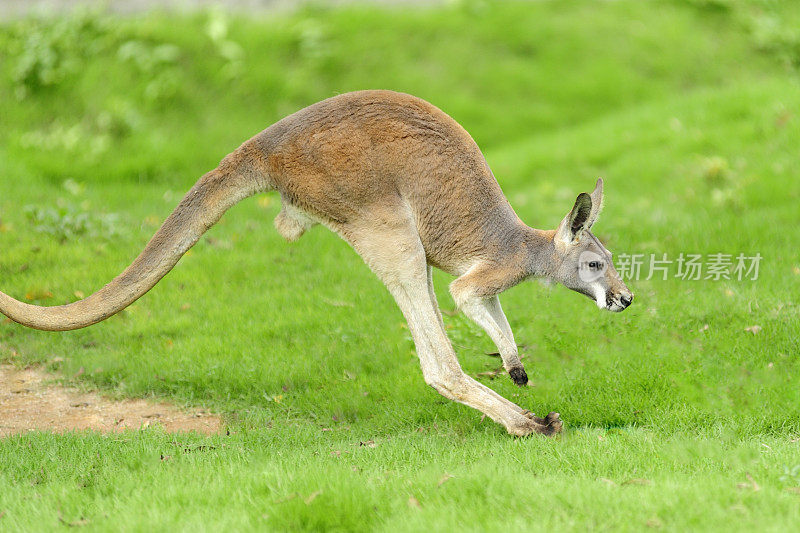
(626, 300)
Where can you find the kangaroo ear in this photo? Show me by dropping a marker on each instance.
(597, 202)
(576, 221)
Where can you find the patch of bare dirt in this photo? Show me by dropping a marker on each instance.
(28, 402)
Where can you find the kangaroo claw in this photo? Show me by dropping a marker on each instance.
(519, 376)
(549, 425)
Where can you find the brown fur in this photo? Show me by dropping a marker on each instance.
(408, 188)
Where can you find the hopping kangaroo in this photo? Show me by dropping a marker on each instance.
(409, 189)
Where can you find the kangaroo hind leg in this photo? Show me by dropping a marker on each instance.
(393, 250)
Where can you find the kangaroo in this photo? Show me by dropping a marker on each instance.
(407, 187)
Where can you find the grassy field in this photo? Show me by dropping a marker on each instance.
(676, 417)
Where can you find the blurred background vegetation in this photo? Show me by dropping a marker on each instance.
(174, 93)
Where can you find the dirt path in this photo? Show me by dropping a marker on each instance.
(28, 402)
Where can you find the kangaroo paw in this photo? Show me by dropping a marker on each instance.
(549, 425)
(519, 376)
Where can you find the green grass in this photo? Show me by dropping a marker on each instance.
(688, 109)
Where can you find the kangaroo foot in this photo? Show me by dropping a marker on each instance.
(549, 425)
(519, 376)
(528, 423)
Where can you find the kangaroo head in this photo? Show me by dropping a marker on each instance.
(582, 263)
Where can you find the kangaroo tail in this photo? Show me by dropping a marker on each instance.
(201, 208)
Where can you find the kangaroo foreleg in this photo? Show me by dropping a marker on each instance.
(487, 313)
(475, 293)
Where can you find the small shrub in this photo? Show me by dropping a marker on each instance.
(156, 62)
(231, 52)
(791, 476)
(51, 49)
(92, 135)
(70, 219)
(772, 35)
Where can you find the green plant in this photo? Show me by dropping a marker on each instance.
(69, 220)
(51, 49)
